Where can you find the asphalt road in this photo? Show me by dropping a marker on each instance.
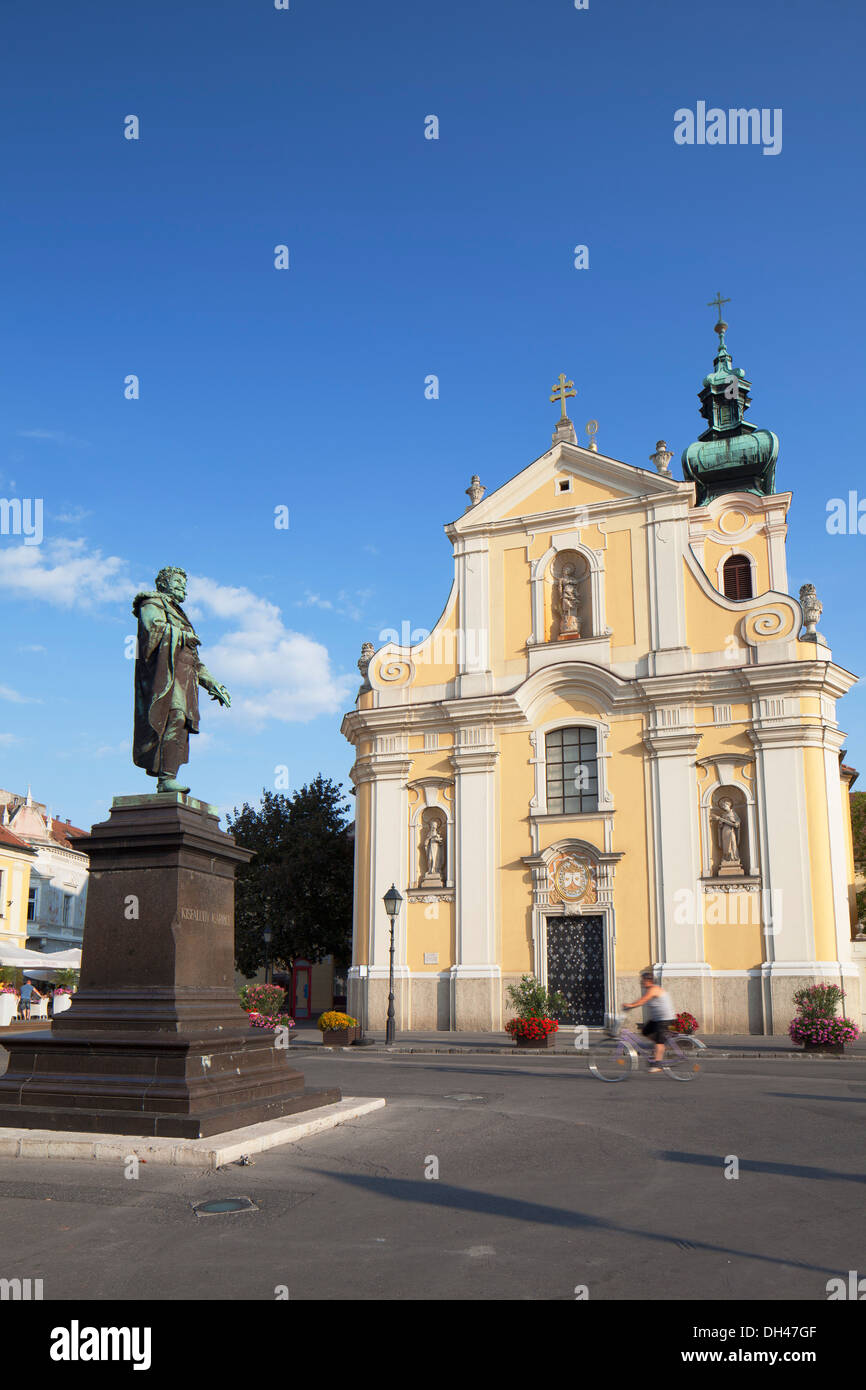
(548, 1180)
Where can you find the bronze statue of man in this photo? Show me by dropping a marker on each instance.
(167, 675)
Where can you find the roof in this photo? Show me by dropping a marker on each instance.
(8, 838)
(61, 830)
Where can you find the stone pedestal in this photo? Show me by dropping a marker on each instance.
(155, 1041)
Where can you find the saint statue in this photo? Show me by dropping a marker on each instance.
(167, 675)
(567, 602)
(728, 834)
(433, 849)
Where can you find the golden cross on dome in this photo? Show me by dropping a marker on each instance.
(562, 390)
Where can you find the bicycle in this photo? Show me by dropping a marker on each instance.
(624, 1049)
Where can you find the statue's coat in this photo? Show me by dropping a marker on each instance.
(163, 668)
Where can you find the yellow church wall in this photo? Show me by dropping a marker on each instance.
(739, 721)
(429, 928)
(568, 710)
(516, 789)
(434, 660)
(548, 499)
(434, 764)
(756, 546)
(512, 606)
(707, 624)
(733, 930)
(817, 821)
(632, 831)
(620, 594)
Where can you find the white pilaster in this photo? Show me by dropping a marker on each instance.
(475, 976)
(473, 647)
(672, 747)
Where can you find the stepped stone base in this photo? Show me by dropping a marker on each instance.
(155, 1042)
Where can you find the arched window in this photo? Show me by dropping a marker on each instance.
(571, 757)
(737, 577)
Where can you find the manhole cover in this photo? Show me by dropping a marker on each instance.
(221, 1205)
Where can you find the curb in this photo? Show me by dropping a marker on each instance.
(711, 1052)
(211, 1152)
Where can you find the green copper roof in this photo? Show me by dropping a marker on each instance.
(731, 455)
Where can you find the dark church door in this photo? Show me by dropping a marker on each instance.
(575, 967)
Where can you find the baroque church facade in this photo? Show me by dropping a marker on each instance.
(617, 748)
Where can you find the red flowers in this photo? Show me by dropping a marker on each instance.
(684, 1023)
(532, 1028)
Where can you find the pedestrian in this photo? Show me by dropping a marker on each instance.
(28, 990)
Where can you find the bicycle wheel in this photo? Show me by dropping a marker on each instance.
(685, 1061)
(616, 1061)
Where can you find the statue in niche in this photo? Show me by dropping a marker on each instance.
(566, 602)
(434, 854)
(728, 827)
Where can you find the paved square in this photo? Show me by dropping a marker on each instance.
(548, 1181)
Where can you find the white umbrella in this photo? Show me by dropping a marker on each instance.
(42, 960)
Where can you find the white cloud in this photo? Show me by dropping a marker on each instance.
(53, 437)
(313, 601)
(272, 671)
(279, 674)
(7, 693)
(114, 750)
(33, 647)
(72, 516)
(6, 740)
(64, 573)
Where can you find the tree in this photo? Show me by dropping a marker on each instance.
(858, 827)
(300, 881)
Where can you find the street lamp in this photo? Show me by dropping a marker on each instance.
(392, 902)
(268, 936)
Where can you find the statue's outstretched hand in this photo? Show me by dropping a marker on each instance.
(219, 692)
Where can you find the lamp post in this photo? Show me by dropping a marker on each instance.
(392, 902)
(268, 935)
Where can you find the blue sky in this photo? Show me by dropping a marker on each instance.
(305, 388)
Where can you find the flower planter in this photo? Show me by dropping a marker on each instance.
(832, 1049)
(61, 1003)
(342, 1037)
(531, 1042)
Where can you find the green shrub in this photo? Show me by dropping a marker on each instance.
(532, 1000)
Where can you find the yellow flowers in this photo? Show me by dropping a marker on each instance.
(333, 1022)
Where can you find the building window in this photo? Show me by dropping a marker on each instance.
(572, 770)
(31, 905)
(3, 893)
(67, 909)
(737, 577)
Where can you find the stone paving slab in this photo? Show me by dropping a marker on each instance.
(211, 1152)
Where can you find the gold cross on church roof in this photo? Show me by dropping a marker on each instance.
(562, 390)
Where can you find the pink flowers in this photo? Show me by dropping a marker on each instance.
(816, 1022)
(270, 1022)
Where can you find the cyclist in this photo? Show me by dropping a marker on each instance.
(661, 1016)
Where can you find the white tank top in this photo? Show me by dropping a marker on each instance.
(661, 1006)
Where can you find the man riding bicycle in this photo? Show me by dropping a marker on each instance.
(661, 1016)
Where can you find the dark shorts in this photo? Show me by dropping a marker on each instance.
(658, 1029)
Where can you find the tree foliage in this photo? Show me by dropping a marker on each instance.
(858, 826)
(300, 881)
